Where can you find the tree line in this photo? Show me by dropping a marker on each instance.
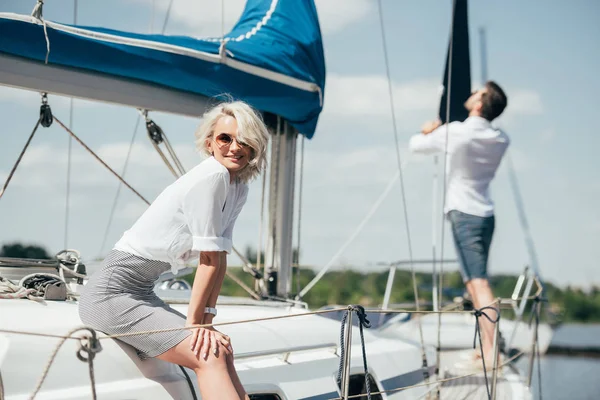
(567, 304)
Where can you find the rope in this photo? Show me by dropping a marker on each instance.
(135, 130)
(88, 347)
(101, 161)
(91, 346)
(9, 290)
(167, 15)
(363, 322)
(37, 13)
(39, 283)
(68, 336)
(156, 135)
(69, 258)
(45, 120)
(124, 171)
(479, 313)
(437, 383)
(14, 168)
(248, 290)
(353, 236)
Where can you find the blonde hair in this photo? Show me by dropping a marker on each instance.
(251, 131)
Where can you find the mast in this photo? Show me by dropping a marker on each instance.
(278, 256)
(456, 90)
(514, 184)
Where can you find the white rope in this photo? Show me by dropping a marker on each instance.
(349, 241)
(87, 344)
(38, 14)
(9, 290)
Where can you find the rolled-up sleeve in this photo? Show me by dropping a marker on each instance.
(434, 142)
(243, 196)
(203, 210)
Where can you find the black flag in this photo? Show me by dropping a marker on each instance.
(460, 81)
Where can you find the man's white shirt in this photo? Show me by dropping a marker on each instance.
(475, 150)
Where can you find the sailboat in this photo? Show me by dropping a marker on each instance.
(287, 358)
(283, 349)
(452, 332)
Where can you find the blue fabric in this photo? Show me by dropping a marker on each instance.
(472, 239)
(289, 43)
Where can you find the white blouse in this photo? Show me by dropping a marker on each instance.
(196, 213)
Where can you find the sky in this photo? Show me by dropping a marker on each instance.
(544, 54)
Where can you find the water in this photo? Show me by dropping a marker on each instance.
(568, 377)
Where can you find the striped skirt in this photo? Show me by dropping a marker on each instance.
(120, 299)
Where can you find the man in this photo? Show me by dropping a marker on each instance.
(475, 150)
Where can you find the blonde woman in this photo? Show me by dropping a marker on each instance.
(191, 219)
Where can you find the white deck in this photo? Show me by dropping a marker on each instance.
(510, 385)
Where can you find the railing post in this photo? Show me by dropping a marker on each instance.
(347, 356)
(496, 353)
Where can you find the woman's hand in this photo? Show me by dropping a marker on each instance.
(205, 340)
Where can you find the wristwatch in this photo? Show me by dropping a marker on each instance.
(210, 310)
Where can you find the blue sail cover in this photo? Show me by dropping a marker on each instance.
(272, 59)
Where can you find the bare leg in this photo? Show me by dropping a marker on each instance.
(482, 297)
(213, 375)
(236, 379)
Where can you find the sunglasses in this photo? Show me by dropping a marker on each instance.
(224, 140)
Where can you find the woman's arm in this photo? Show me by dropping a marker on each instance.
(216, 289)
(207, 277)
(205, 290)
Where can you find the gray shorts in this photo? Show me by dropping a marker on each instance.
(472, 239)
(120, 299)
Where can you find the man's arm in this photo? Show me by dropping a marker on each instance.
(432, 139)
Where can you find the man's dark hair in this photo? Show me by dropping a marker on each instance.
(493, 101)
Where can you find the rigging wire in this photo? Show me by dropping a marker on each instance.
(402, 187)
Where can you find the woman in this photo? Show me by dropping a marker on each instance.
(192, 218)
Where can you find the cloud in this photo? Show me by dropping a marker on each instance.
(332, 20)
(42, 168)
(524, 102)
(29, 97)
(206, 18)
(368, 95)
